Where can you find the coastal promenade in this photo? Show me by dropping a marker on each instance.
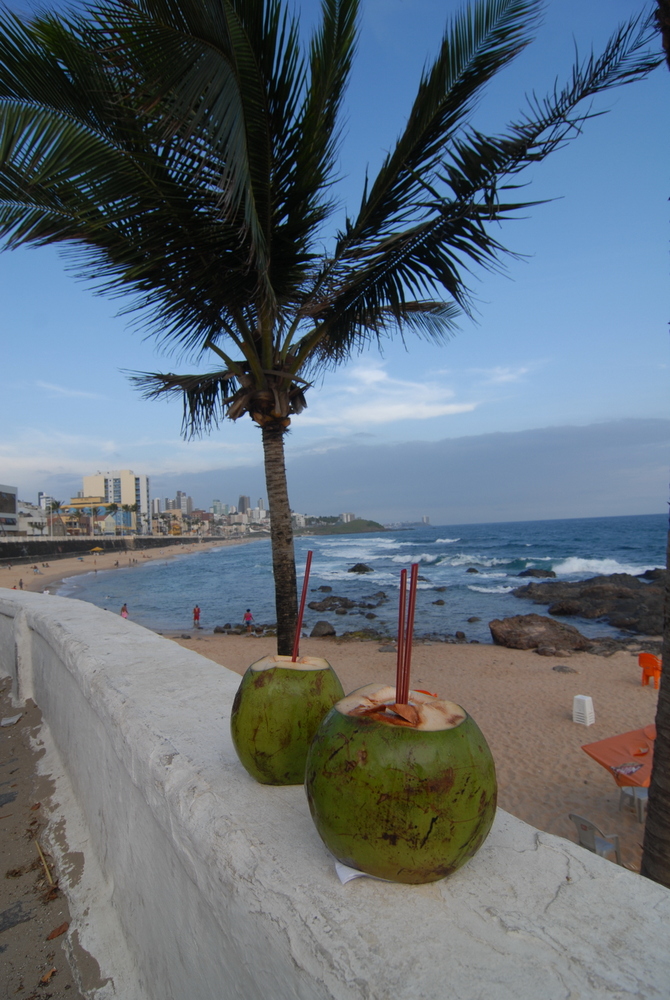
(196, 881)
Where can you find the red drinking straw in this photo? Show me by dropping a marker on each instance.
(401, 633)
(303, 598)
(402, 695)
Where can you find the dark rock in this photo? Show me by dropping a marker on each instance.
(360, 568)
(622, 600)
(340, 611)
(185, 635)
(439, 601)
(221, 628)
(460, 636)
(330, 603)
(537, 572)
(374, 600)
(440, 590)
(471, 569)
(423, 579)
(474, 642)
(561, 668)
(370, 615)
(321, 629)
(325, 590)
(531, 631)
(652, 574)
(552, 651)
(388, 649)
(474, 619)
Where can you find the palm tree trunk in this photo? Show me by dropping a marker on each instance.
(656, 847)
(281, 535)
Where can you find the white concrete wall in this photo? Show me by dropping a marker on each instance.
(223, 888)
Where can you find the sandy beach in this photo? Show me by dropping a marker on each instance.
(52, 575)
(524, 708)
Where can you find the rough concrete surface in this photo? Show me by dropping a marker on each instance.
(222, 887)
(31, 907)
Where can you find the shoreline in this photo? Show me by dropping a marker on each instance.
(51, 577)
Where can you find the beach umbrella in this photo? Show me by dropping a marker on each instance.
(97, 549)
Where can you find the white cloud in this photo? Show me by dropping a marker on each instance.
(37, 455)
(60, 390)
(501, 375)
(379, 399)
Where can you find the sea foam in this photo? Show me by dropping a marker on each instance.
(596, 567)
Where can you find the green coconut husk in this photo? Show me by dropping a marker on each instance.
(408, 803)
(277, 710)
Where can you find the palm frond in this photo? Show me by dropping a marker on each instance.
(205, 397)
(478, 42)
(451, 235)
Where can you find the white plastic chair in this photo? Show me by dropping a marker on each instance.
(637, 798)
(594, 840)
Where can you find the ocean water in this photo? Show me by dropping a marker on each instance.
(160, 594)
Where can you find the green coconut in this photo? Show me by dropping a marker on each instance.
(407, 799)
(277, 710)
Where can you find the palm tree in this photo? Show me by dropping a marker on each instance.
(53, 508)
(127, 509)
(656, 845)
(187, 149)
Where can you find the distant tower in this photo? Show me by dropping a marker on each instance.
(425, 519)
(243, 505)
(261, 505)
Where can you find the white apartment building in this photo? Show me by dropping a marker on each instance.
(122, 486)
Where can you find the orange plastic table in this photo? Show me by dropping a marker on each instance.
(627, 757)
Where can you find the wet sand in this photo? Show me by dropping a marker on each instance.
(50, 577)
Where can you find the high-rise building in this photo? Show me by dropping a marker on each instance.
(425, 519)
(244, 504)
(121, 487)
(261, 505)
(347, 517)
(155, 507)
(183, 503)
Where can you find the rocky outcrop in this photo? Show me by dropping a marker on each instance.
(321, 629)
(537, 631)
(332, 603)
(340, 605)
(624, 601)
(360, 568)
(537, 573)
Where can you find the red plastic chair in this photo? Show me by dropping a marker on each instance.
(651, 668)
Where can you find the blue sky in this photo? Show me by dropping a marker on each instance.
(573, 336)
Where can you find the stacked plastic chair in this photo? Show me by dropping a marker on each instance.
(582, 710)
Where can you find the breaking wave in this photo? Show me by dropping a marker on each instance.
(574, 565)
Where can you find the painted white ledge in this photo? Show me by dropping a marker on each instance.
(223, 888)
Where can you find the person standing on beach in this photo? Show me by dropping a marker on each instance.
(20, 584)
(248, 618)
(124, 611)
(196, 617)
